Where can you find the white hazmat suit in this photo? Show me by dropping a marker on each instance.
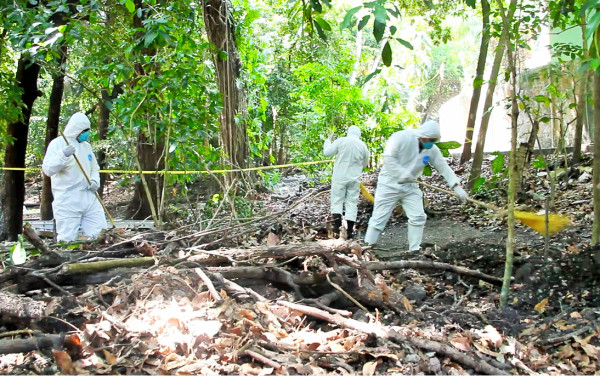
(351, 157)
(75, 203)
(403, 162)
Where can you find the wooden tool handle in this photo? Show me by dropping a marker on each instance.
(477, 202)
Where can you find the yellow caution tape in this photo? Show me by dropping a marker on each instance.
(185, 172)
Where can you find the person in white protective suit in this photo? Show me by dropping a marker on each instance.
(404, 158)
(75, 203)
(351, 156)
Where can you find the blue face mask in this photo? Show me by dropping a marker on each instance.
(84, 136)
(428, 145)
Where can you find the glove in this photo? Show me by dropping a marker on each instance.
(68, 150)
(94, 186)
(426, 160)
(462, 195)
(330, 138)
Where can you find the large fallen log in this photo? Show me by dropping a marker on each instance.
(18, 308)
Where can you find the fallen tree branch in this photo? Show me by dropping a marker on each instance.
(213, 292)
(98, 266)
(234, 288)
(337, 287)
(263, 359)
(418, 264)
(11, 346)
(387, 332)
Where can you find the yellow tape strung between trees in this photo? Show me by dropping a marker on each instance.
(184, 172)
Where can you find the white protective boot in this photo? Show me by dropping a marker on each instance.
(415, 236)
(372, 235)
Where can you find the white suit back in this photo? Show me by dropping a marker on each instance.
(351, 156)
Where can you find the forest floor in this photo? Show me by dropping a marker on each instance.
(274, 294)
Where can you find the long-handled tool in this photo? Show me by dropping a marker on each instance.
(110, 218)
(366, 193)
(556, 222)
(537, 222)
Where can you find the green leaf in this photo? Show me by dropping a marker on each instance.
(592, 24)
(478, 184)
(371, 75)
(150, 37)
(539, 163)
(471, 3)
(319, 30)
(316, 5)
(378, 30)
(448, 145)
(427, 170)
(386, 54)
(130, 6)
(348, 17)
(18, 255)
(545, 119)
(324, 24)
(394, 11)
(542, 99)
(405, 43)
(380, 13)
(498, 163)
(363, 22)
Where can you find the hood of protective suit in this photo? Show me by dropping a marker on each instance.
(429, 129)
(77, 123)
(353, 131)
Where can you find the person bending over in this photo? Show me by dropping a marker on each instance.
(404, 158)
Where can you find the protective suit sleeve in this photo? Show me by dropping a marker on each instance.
(331, 148)
(439, 163)
(55, 160)
(395, 148)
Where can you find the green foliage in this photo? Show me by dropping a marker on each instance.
(539, 163)
(446, 146)
(487, 186)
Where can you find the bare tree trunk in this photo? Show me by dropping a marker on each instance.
(220, 29)
(103, 121)
(596, 178)
(487, 111)
(149, 154)
(52, 125)
(478, 81)
(581, 98)
(512, 172)
(13, 192)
